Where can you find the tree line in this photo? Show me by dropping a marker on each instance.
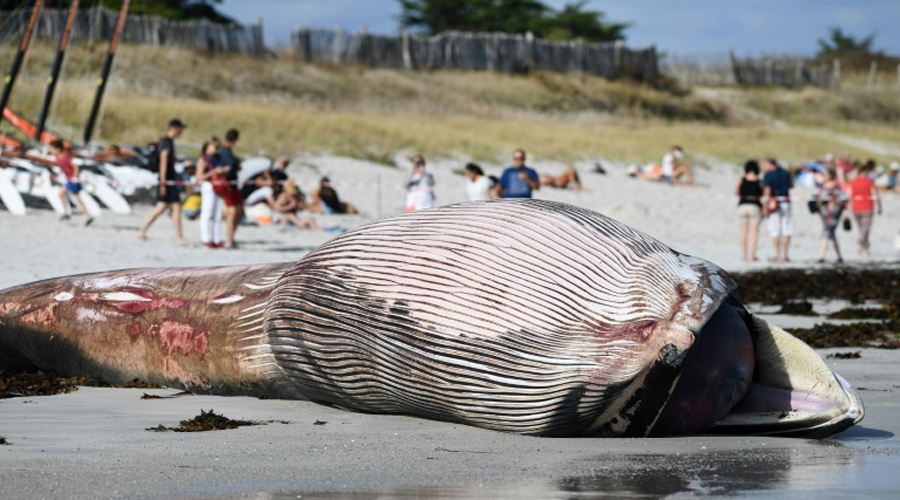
(178, 10)
(509, 16)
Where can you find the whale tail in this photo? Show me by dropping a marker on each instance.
(178, 327)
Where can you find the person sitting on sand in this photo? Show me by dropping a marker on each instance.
(260, 180)
(888, 181)
(569, 178)
(674, 170)
(278, 172)
(264, 193)
(72, 184)
(326, 201)
(289, 202)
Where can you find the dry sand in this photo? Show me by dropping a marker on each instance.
(694, 220)
(93, 443)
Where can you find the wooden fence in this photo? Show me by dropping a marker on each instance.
(780, 71)
(98, 24)
(726, 69)
(474, 51)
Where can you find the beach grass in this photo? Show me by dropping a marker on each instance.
(283, 107)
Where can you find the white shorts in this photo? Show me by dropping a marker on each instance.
(780, 221)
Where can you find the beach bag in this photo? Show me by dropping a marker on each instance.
(813, 206)
(221, 186)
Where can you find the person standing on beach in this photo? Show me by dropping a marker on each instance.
(167, 193)
(863, 198)
(72, 184)
(518, 181)
(211, 204)
(234, 203)
(749, 190)
(419, 187)
(777, 184)
(831, 200)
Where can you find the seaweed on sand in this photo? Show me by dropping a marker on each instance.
(801, 308)
(47, 384)
(881, 334)
(886, 311)
(852, 284)
(845, 355)
(206, 421)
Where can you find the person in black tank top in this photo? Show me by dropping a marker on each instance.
(749, 191)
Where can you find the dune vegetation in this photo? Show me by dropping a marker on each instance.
(282, 106)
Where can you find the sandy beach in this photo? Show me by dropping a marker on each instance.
(93, 444)
(699, 221)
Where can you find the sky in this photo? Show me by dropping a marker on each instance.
(749, 28)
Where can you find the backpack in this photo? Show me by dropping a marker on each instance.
(151, 156)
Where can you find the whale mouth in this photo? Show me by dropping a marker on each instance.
(745, 376)
(793, 394)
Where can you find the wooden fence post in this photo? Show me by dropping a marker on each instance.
(404, 43)
(837, 74)
(335, 46)
(735, 70)
(617, 59)
(873, 73)
(529, 51)
(579, 56)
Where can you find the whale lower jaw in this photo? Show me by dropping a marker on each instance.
(796, 394)
(817, 423)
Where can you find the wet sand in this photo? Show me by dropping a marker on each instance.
(93, 443)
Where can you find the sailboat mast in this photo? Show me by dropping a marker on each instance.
(54, 71)
(20, 55)
(107, 67)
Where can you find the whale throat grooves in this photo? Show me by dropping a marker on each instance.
(535, 318)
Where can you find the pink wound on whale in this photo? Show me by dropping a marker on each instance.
(44, 317)
(177, 336)
(135, 307)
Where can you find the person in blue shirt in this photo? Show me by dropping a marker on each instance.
(518, 181)
(777, 183)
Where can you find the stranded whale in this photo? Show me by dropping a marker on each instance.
(523, 316)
